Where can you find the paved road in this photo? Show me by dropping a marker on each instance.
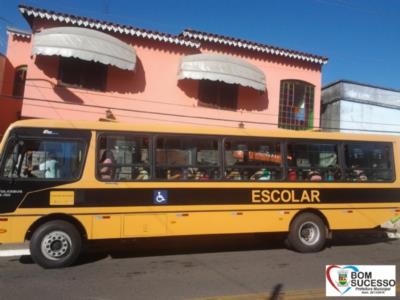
(256, 266)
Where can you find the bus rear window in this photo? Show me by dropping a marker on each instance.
(43, 159)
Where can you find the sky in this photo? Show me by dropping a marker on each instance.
(361, 38)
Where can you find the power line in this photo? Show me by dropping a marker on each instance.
(245, 114)
(160, 102)
(235, 121)
(243, 117)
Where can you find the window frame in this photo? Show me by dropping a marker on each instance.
(222, 166)
(23, 68)
(219, 86)
(188, 137)
(340, 158)
(392, 168)
(279, 141)
(284, 121)
(60, 82)
(100, 134)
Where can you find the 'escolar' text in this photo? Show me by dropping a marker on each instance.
(285, 196)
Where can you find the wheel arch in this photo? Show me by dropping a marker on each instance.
(55, 217)
(314, 211)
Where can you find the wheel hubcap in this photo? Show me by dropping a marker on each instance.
(309, 233)
(56, 245)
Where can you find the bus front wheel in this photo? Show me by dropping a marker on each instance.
(55, 244)
(307, 233)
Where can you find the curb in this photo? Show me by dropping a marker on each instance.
(9, 250)
(15, 252)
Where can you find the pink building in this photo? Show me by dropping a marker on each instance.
(85, 69)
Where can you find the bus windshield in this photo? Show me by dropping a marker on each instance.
(43, 159)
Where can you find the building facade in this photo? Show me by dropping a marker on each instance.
(10, 103)
(77, 68)
(349, 106)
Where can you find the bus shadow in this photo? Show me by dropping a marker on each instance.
(359, 237)
(163, 246)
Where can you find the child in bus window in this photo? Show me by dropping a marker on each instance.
(234, 175)
(143, 174)
(107, 171)
(314, 175)
(262, 174)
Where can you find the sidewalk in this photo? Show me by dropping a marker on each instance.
(9, 250)
(395, 225)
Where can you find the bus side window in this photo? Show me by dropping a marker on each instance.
(182, 158)
(313, 162)
(252, 159)
(368, 162)
(123, 157)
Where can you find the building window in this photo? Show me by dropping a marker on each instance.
(296, 105)
(218, 94)
(19, 82)
(83, 74)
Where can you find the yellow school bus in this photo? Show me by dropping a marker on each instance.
(63, 183)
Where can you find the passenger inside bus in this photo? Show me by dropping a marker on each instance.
(107, 170)
(233, 174)
(50, 166)
(262, 174)
(174, 174)
(143, 174)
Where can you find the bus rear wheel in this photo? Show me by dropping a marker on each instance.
(307, 233)
(55, 244)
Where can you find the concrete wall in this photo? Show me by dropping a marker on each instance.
(356, 107)
(361, 117)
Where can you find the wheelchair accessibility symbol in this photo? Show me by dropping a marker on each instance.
(160, 197)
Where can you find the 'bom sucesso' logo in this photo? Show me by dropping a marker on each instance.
(360, 280)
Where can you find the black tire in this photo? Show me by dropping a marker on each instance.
(307, 233)
(55, 244)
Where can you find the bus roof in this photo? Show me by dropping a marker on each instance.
(185, 129)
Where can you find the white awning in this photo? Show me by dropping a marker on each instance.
(224, 68)
(85, 44)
